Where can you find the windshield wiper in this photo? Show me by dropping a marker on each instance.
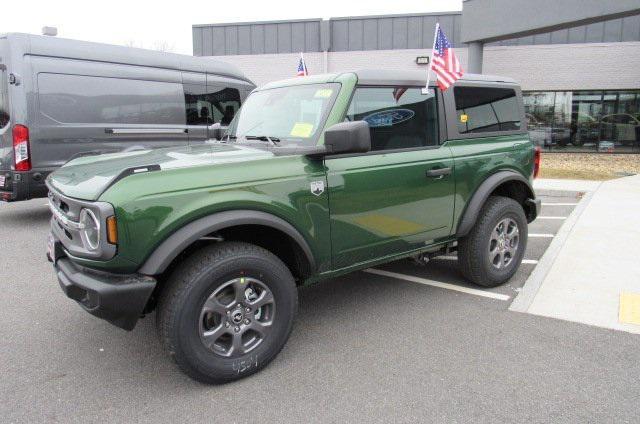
(272, 140)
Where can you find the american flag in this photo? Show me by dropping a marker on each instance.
(302, 67)
(445, 64)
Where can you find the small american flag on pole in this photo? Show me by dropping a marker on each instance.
(444, 63)
(302, 67)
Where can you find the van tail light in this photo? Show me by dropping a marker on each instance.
(537, 154)
(21, 148)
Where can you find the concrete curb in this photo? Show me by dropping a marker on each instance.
(530, 289)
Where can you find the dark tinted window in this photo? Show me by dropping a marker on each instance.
(486, 109)
(399, 118)
(208, 106)
(4, 99)
(86, 100)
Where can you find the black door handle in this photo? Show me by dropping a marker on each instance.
(438, 172)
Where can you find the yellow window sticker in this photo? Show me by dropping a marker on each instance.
(301, 129)
(324, 93)
(464, 118)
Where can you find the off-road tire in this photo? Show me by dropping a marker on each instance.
(473, 249)
(189, 286)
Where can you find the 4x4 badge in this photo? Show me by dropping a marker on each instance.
(317, 187)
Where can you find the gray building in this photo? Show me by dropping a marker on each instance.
(578, 61)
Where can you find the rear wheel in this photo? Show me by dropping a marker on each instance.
(493, 250)
(227, 311)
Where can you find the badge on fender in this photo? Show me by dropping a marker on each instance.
(317, 187)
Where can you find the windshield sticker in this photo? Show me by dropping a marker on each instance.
(324, 93)
(301, 129)
(387, 118)
(464, 118)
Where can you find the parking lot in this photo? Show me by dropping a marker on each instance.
(399, 343)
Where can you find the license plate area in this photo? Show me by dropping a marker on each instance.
(54, 249)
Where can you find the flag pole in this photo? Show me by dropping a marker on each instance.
(435, 36)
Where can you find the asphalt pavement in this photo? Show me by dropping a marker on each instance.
(365, 348)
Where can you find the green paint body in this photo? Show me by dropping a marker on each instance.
(375, 208)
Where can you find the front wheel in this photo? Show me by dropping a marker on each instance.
(227, 311)
(493, 250)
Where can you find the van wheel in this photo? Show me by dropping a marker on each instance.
(227, 311)
(493, 250)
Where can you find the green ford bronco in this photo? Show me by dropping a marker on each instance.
(315, 177)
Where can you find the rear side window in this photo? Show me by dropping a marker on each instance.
(486, 109)
(4, 99)
(97, 100)
(209, 105)
(398, 117)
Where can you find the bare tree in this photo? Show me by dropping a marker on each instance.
(159, 45)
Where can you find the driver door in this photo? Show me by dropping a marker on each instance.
(400, 196)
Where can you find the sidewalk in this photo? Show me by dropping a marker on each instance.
(592, 275)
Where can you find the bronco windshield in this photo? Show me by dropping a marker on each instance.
(292, 115)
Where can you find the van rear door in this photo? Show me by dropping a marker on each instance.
(6, 152)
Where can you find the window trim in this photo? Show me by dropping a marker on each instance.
(442, 122)
(450, 105)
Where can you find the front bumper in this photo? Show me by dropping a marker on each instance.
(116, 298)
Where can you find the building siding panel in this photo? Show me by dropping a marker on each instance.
(385, 34)
(244, 39)
(284, 38)
(271, 38)
(370, 31)
(197, 41)
(380, 33)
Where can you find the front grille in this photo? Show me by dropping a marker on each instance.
(67, 228)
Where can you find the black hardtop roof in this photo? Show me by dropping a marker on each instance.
(415, 78)
(40, 45)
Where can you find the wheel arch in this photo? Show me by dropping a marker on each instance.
(504, 183)
(231, 222)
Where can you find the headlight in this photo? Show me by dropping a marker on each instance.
(90, 232)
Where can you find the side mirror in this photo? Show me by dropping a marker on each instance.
(216, 131)
(347, 137)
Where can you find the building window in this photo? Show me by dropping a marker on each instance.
(398, 117)
(486, 109)
(591, 121)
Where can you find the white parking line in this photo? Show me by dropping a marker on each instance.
(455, 258)
(533, 235)
(558, 204)
(552, 217)
(438, 284)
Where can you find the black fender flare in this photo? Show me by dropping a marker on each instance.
(177, 242)
(481, 195)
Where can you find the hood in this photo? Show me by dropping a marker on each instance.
(88, 177)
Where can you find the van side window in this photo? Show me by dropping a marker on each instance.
(4, 99)
(209, 105)
(486, 109)
(398, 117)
(78, 99)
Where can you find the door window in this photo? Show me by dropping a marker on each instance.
(398, 117)
(78, 99)
(487, 109)
(206, 105)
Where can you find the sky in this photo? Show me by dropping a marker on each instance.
(166, 25)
